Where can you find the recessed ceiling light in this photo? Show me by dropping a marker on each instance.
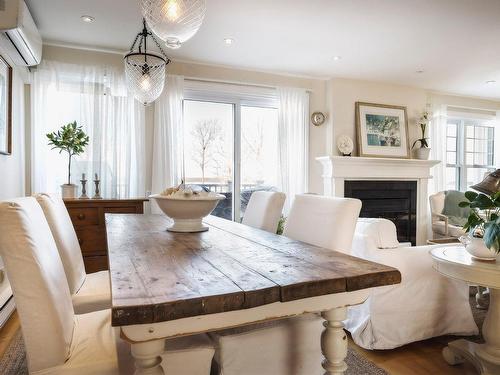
(491, 82)
(228, 41)
(88, 19)
(337, 58)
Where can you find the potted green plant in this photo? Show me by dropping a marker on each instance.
(71, 139)
(483, 225)
(423, 151)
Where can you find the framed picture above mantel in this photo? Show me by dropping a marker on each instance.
(382, 130)
(5, 107)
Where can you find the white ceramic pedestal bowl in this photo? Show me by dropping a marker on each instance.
(187, 213)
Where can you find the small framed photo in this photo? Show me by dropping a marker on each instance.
(382, 130)
(5, 107)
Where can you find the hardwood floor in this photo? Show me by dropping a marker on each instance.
(420, 358)
(8, 331)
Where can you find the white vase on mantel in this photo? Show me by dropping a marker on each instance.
(69, 191)
(422, 153)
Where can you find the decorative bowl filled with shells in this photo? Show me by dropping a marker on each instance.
(187, 207)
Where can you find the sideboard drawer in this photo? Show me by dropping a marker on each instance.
(124, 210)
(87, 216)
(92, 240)
(82, 216)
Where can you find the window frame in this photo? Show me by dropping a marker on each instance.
(238, 98)
(461, 165)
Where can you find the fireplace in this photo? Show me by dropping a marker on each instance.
(403, 182)
(393, 200)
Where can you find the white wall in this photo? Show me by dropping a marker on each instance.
(346, 92)
(12, 167)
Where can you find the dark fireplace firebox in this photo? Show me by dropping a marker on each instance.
(393, 200)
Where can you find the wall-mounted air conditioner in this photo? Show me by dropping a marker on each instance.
(20, 38)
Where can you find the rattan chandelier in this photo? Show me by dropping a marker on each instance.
(174, 21)
(145, 71)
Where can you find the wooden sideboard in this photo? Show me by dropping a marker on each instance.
(88, 219)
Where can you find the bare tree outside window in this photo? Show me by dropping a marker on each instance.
(207, 136)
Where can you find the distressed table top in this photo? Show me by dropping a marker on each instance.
(159, 276)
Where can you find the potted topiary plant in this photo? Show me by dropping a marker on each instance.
(483, 225)
(423, 151)
(71, 139)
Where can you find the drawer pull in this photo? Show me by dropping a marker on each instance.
(81, 216)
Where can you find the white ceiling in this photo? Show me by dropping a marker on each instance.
(455, 42)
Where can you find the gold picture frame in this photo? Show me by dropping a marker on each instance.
(382, 130)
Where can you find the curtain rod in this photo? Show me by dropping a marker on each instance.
(236, 83)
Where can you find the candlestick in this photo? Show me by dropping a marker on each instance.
(97, 194)
(84, 187)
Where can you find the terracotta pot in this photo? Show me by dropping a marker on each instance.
(422, 153)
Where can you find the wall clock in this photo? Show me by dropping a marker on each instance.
(318, 118)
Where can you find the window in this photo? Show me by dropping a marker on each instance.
(231, 145)
(469, 152)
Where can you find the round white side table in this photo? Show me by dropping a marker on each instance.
(457, 263)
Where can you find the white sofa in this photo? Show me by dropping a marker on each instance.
(424, 305)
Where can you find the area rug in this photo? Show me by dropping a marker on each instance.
(14, 359)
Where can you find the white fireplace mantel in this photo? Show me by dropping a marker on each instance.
(338, 169)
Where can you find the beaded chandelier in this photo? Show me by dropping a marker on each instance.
(174, 21)
(145, 71)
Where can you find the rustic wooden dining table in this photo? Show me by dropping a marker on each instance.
(168, 284)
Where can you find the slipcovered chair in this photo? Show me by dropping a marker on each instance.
(291, 346)
(264, 210)
(57, 341)
(89, 292)
(425, 304)
(447, 218)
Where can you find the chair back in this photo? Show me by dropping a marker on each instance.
(38, 282)
(323, 221)
(264, 210)
(437, 202)
(66, 240)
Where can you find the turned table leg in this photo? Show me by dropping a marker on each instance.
(334, 341)
(147, 356)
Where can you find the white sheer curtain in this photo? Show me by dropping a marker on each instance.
(97, 99)
(438, 147)
(168, 142)
(293, 131)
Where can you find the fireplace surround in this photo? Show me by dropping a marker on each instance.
(337, 170)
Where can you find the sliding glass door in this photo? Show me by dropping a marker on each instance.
(231, 147)
(208, 149)
(259, 152)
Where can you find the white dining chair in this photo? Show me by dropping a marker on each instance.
(291, 346)
(57, 341)
(264, 210)
(89, 292)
